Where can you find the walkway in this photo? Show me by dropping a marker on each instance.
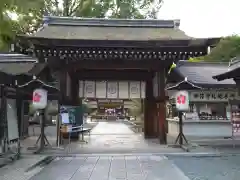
(111, 168)
(112, 128)
(117, 137)
(107, 138)
(125, 167)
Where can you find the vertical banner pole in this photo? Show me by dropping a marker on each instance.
(180, 127)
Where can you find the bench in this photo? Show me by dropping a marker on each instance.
(82, 130)
(78, 129)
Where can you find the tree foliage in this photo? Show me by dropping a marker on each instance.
(30, 12)
(26, 11)
(227, 49)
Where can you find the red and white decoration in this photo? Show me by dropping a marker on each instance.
(182, 101)
(39, 100)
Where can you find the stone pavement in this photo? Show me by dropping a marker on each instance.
(111, 168)
(108, 137)
(209, 168)
(117, 137)
(126, 167)
(17, 169)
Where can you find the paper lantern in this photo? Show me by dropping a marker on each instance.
(39, 100)
(182, 101)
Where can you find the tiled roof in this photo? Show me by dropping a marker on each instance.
(18, 64)
(201, 73)
(110, 29)
(13, 57)
(232, 71)
(16, 68)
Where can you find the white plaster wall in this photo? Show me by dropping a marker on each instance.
(202, 129)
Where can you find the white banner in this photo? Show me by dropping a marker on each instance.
(89, 89)
(134, 90)
(123, 90)
(112, 89)
(101, 90)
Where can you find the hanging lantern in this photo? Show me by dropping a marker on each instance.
(182, 101)
(39, 100)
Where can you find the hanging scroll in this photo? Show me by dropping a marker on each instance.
(101, 89)
(123, 90)
(89, 89)
(134, 90)
(112, 89)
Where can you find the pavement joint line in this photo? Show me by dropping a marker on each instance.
(46, 160)
(189, 154)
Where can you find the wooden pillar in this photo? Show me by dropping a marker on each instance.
(63, 86)
(75, 90)
(161, 108)
(149, 111)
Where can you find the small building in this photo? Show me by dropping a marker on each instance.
(16, 69)
(209, 113)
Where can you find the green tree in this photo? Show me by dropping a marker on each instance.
(30, 13)
(26, 11)
(227, 49)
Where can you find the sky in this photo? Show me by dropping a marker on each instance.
(204, 18)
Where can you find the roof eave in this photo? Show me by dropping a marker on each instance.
(103, 22)
(226, 75)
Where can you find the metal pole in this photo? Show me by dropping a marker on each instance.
(180, 128)
(58, 126)
(42, 120)
(4, 105)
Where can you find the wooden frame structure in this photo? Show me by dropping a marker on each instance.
(91, 48)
